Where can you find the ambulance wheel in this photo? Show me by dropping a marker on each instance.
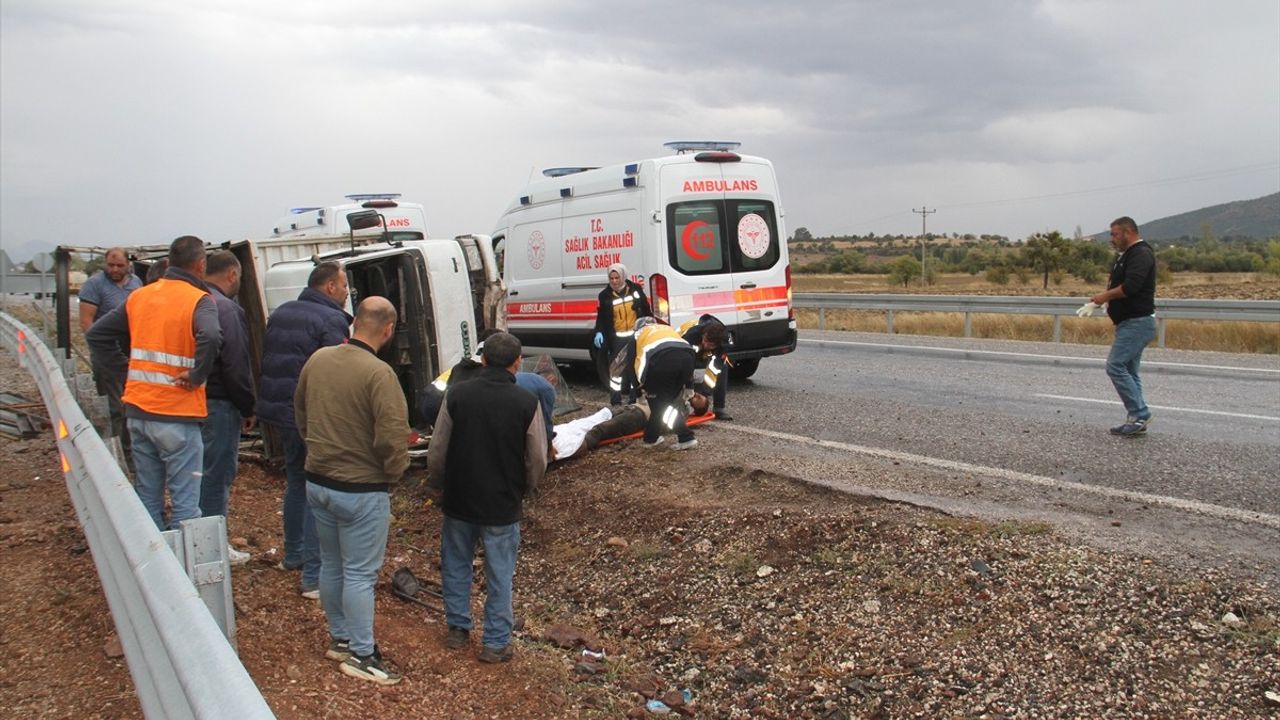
(743, 369)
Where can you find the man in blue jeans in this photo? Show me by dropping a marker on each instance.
(351, 410)
(164, 340)
(230, 392)
(488, 452)
(1131, 304)
(295, 331)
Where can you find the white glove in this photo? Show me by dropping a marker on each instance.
(1087, 309)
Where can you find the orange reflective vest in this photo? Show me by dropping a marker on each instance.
(162, 346)
(652, 338)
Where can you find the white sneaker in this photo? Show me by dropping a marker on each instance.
(655, 443)
(687, 444)
(236, 557)
(311, 594)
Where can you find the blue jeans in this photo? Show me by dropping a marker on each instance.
(301, 548)
(1132, 336)
(167, 454)
(352, 528)
(457, 550)
(221, 434)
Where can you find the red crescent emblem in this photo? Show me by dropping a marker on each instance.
(698, 239)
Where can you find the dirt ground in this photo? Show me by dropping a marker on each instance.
(723, 590)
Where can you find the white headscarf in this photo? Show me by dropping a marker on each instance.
(622, 269)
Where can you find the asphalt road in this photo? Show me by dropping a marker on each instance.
(1215, 437)
(1020, 430)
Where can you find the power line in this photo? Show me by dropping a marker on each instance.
(924, 230)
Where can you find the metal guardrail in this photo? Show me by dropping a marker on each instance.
(1058, 307)
(182, 664)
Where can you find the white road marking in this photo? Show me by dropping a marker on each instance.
(1162, 407)
(1131, 496)
(1003, 353)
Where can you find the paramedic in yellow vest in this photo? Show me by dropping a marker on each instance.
(709, 339)
(663, 365)
(168, 333)
(621, 304)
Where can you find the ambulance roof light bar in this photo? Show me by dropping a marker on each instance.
(363, 197)
(683, 146)
(556, 172)
(301, 210)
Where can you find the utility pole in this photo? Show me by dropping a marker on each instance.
(924, 213)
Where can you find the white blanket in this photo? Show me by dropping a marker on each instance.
(569, 435)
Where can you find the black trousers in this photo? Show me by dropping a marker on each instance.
(669, 372)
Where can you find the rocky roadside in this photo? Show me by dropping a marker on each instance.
(656, 582)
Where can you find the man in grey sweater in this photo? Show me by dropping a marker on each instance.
(351, 413)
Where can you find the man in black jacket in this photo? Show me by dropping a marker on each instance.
(488, 452)
(230, 392)
(1131, 304)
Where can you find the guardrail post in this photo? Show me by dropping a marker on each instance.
(1057, 328)
(889, 319)
(1160, 332)
(968, 324)
(822, 319)
(201, 547)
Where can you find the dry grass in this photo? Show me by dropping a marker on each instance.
(1241, 337)
(1240, 286)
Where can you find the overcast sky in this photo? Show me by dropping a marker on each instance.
(140, 120)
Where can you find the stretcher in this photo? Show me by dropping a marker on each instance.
(690, 421)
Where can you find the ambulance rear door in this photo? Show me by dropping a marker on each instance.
(697, 267)
(756, 247)
(724, 249)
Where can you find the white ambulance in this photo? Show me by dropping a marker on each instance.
(404, 220)
(701, 231)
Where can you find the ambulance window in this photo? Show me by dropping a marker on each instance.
(695, 240)
(754, 240)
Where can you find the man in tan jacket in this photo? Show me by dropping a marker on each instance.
(351, 412)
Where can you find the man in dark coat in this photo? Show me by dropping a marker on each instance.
(294, 332)
(488, 452)
(230, 392)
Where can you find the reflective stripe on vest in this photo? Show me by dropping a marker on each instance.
(624, 314)
(652, 338)
(712, 375)
(162, 347)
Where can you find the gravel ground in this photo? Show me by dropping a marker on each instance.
(728, 575)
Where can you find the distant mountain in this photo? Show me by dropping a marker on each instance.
(1258, 219)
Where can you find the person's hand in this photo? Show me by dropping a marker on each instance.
(246, 424)
(1100, 299)
(598, 340)
(1087, 309)
(183, 380)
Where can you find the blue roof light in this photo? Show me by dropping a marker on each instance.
(684, 146)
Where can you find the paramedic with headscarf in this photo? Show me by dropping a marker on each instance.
(621, 303)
